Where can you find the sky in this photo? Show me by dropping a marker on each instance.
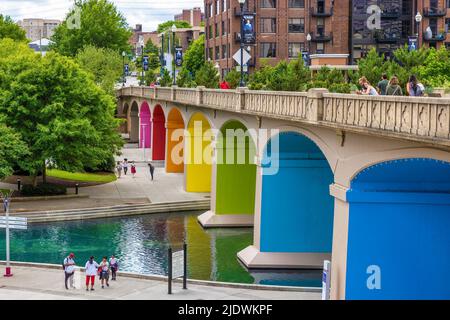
(149, 13)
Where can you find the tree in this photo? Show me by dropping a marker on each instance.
(207, 76)
(8, 29)
(105, 65)
(101, 25)
(185, 79)
(194, 58)
(233, 78)
(150, 48)
(63, 117)
(166, 79)
(149, 77)
(167, 26)
(12, 148)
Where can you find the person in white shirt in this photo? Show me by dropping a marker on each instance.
(91, 271)
(69, 270)
(104, 272)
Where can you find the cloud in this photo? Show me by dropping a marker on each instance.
(149, 13)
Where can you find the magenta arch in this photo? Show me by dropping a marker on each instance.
(145, 126)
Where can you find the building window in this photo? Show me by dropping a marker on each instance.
(217, 8)
(295, 49)
(217, 56)
(210, 28)
(448, 4)
(268, 50)
(217, 29)
(268, 25)
(320, 48)
(296, 3)
(296, 25)
(224, 28)
(447, 24)
(224, 51)
(210, 54)
(268, 3)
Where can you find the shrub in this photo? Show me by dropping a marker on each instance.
(207, 76)
(46, 189)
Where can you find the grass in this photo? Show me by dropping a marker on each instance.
(82, 177)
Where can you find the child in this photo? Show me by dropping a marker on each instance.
(133, 169)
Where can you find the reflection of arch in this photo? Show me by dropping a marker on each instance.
(296, 207)
(198, 154)
(134, 122)
(399, 221)
(236, 170)
(145, 126)
(175, 141)
(159, 134)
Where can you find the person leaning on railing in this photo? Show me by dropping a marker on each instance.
(367, 89)
(394, 89)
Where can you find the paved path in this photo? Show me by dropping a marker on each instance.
(47, 284)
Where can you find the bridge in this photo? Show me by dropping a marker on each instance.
(363, 181)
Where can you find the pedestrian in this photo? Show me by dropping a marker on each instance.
(133, 169)
(114, 265)
(119, 169)
(125, 166)
(224, 85)
(151, 167)
(382, 85)
(69, 270)
(394, 89)
(91, 271)
(414, 87)
(104, 272)
(367, 89)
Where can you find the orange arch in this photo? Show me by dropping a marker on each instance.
(175, 142)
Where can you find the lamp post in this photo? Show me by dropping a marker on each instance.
(141, 43)
(124, 80)
(308, 39)
(174, 30)
(241, 3)
(418, 21)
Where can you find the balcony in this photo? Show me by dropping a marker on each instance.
(435, 38)
(387, 38)
(434, 12)
(392, 14)
(321, 13)
(321, 37)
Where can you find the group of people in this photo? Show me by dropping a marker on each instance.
(92, 269)
(123, 166)
(391, 87)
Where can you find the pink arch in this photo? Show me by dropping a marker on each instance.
(145, 126)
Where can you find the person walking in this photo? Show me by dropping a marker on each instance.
(414, 87)
(394, 89)
(151, 167)
(133, 169)
(382, 85)
(125, 166)
(119, 169)
(91, 271)
(104, 272)
(114, 265)
(69, 270)
(367, 89)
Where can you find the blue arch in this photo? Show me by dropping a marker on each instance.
(399, 221)
(296, 206)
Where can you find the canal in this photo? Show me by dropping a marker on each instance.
(141, 243)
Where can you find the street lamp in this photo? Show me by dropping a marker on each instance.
(174, 30)
(308, 39)
(418, 21)
(123, 68)
(141, 43)
(241, 3)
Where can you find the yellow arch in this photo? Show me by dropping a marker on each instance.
(198, 154)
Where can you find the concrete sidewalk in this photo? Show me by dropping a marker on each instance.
(29, 283)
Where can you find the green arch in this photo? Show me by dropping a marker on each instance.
(236, 171)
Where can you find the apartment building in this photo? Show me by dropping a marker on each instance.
(194, 16)
(39, 28)
(331, 31)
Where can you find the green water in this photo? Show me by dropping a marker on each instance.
(141, 244)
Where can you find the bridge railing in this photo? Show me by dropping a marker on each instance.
(407, 117)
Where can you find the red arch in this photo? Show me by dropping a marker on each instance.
(145, 126)
(159, 134)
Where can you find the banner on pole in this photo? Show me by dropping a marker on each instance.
(249, 34)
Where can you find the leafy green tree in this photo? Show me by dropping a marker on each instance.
(12, 149)
(61, 114)
(194, 58)
(167, 26)
(372, 67)
(101, 25)
(207, 76)
(149, 77)
(150, 48)
(8, 29)
(185, 79)
(166, 79)
(105, 64)
(435, 71)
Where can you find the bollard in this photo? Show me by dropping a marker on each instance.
(19, 182)
(76, 188)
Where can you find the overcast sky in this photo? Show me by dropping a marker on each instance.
(147, 12)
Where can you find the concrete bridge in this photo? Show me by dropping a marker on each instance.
(363, 181)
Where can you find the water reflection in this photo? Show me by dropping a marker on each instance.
(141, 244)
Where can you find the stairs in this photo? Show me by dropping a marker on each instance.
(114, 211)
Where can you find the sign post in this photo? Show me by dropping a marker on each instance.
(177, 262)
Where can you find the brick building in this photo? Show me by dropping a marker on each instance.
(39, 28)
(194, 16)
(139, 35)
(338, 29)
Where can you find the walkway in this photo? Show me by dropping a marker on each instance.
(48, 284)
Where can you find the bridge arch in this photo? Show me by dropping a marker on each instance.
(235, 170)
(175, 141)
(159, 134)
(145, 123)
(198, 158)
(296, 207)
(133, 123)
(398, 221)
